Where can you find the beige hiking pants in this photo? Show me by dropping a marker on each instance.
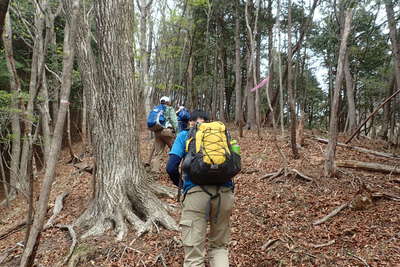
(194, 223)
(162, 138)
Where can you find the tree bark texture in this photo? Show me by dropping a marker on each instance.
(15, 86)
(350, 95)
(238, 75)
(121, 190)
(41, 209)
(145, 51)
(3, 12)
(37, 68)
(291, 93)
(394, 39)
(329, 169)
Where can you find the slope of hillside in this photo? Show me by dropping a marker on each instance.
(272, 222)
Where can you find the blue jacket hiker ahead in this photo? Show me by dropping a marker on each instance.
(183, 115)
(202, 204)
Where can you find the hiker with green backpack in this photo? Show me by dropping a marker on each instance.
(163, 122)
(209, 164)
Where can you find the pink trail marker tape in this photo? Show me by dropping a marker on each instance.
(261, 84)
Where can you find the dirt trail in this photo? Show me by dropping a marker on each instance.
(271, 221)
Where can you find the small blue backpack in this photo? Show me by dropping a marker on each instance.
(183, 115)
(156, 119)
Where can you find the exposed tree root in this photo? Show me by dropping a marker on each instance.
(272, 175)
(164, 191)
(80, 254)
(58, 206)
(72, 233)
(140, 207)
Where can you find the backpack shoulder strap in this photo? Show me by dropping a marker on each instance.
(191, 137)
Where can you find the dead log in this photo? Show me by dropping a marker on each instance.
(360, 149)
(387, 196)
(330, 215)
(368, 166)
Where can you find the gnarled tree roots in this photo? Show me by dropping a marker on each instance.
(137, 206)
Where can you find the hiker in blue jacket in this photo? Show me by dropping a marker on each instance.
(183, 115)
(198, 208)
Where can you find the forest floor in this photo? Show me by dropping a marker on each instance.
(272, 221)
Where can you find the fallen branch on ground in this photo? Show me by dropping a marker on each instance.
(250, 171)
(368, 166)
(358, 258)
(359, 149)
(58, 206)
(330, 215)
(324, 244)
(13, 230)
(269, 243)
(386, 196)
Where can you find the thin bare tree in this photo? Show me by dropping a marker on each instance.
(291, 93)
(32, 243)
(330, 169)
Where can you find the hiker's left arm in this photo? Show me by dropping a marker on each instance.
(173, 168)
(175, 156)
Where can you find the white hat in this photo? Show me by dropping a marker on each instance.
(165, 99)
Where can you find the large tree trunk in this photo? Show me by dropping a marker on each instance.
(121, 189)
(32, 243)
(15, 86)
(291, 93)
(329, 169)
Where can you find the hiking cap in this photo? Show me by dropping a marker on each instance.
(164, 99)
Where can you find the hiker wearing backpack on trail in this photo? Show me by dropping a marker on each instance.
(209, 164)
(183, 115)
(163, 122)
